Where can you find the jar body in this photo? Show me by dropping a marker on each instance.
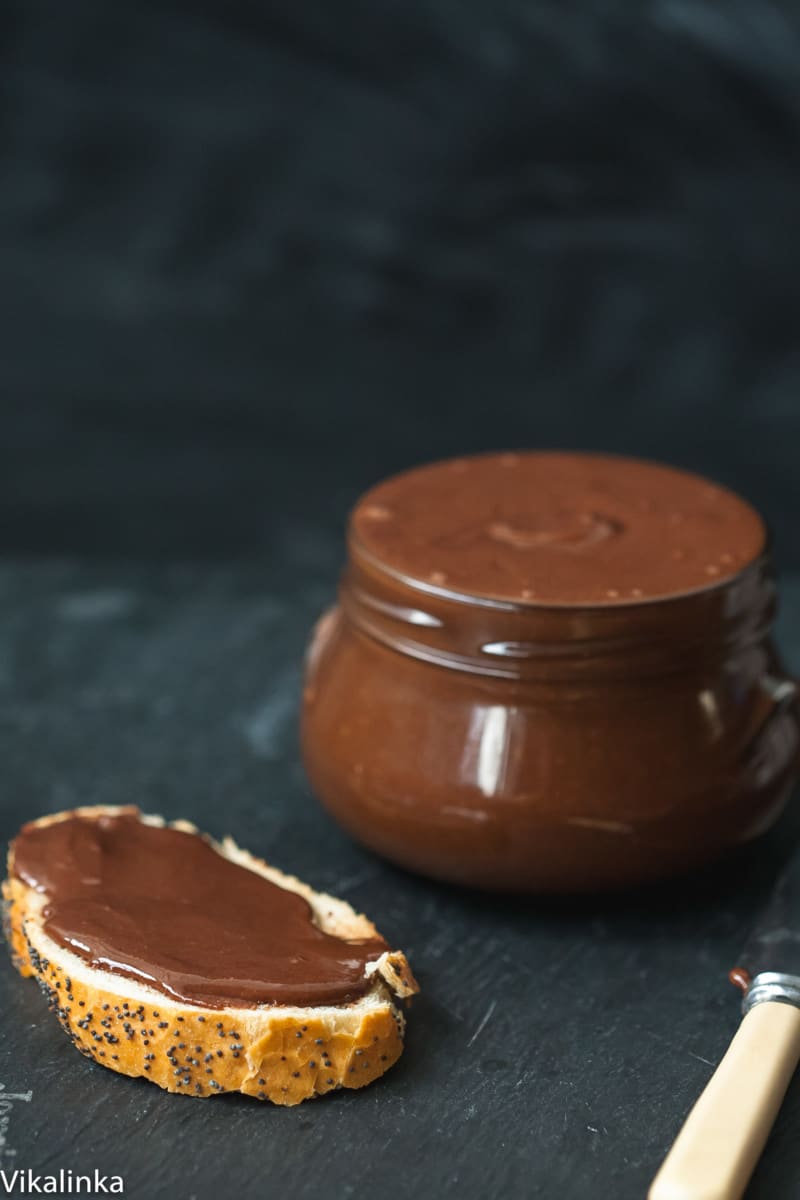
(558, 780)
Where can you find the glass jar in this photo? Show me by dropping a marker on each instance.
(518, 745)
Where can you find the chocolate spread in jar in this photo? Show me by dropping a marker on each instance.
(551, 672)
(165, 908)
(557, 529)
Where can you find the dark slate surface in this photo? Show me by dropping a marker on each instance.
(555, 1048)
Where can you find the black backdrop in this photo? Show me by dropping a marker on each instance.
(257, 254)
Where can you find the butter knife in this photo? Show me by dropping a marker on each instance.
(723, 1136)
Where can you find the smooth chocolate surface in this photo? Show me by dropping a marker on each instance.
(557, 528)
(165, 908)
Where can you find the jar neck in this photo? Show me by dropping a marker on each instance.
(528, 641)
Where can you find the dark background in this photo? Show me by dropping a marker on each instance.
(257, 254)
(254, 257)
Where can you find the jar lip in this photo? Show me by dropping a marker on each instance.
(757, 565)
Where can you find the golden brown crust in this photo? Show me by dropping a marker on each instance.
(282, 1055)
(13, 896)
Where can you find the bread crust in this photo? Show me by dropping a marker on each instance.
(275, 1053)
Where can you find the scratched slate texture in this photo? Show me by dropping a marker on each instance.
(555, 1047)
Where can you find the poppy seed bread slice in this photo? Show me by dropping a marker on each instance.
(280, 1052)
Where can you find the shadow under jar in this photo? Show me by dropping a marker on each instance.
(551, 672)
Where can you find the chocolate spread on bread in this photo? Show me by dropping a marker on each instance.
(163, 907)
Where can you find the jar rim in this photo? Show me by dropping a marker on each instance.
(756, 565)
(520, 640)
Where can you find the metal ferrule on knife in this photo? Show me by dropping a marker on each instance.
(772, 985)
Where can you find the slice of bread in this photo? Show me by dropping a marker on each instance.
(278, 1053)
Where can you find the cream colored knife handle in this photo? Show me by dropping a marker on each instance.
(724, 1134)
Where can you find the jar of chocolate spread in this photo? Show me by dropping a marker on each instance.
(551, 672)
